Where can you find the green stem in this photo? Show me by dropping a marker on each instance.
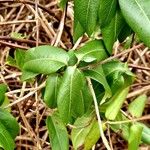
(98, 115)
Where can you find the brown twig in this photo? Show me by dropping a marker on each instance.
(139, 91)
(147, 117)
(113, 57)
(122, 53)
(60, 29)
(27, 95)
(13, 45)
(139, 67)
(22, 40)
(17, 22)
(36, 94)
(30, 3)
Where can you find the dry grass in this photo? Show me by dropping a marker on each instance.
(42, 22)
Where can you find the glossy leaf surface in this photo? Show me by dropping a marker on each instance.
(57, 133)
(9, 122)
(121, 128)
(107, 11)
(118, 75)
(51, 90)
(136, 107)
(135, 137)
(3, 89)
(137, 15)
(20, 58)
(86, 133)
(86, 12)
(69, 101)
(6, 141)
(92, 51)
(145, 133)
(111, 31)
(45, 59)
(98, 75)
(78, 29)
(116, 102)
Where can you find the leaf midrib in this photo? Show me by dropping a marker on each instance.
(85, 54)
(117, 69)
(70, 95)
(115, 26)
(56, 86)
(75, 139)
(38, 59)
(57, 134)
(142, 11)
(87, 12)
(109, 10)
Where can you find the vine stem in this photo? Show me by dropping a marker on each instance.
(147, 117)
(98, 115)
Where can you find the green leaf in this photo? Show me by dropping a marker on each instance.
(72, 58)
(99, 91)
(78, 30)
(92, 51)
(116, 102)
(122, 128)
(26, 75)
(62, 3)
(9, 122)
(107, 11)
(20, 58)
(87, 97)
(45, 59)
(116, 66)
(136, 107)
(93, 136)
(51, 90)
(16, 35)
(5, 103)
(98, 75)
(82, 128)
(117, 81)
(57, 133)
(127, 43)
(6, 141)
(69, 100)
(111, 31)
(135, 137)
(145, 133)
(86, 13)
(124, 33)
(86, 132)
(3, 89)
(137, 15)
(11, 61)
(118, 75)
